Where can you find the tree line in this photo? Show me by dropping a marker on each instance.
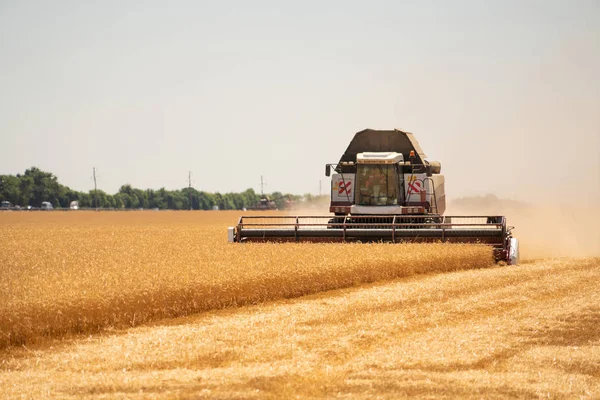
(36, 186)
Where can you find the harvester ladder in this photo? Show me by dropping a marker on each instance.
(433, 205)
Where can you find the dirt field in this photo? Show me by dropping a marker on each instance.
(443, 328)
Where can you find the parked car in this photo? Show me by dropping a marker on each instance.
(5, 205)
(46, 205)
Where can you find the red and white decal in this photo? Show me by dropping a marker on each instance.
(414, 187)
(344, 186)
(415, 183)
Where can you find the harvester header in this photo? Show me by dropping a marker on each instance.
(384, 189)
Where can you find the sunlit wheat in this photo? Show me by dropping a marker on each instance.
(84, 271)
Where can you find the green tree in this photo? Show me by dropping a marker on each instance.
(122, 200)
(159, 199)
(250, 198)
(142, 196)
(207, 201)
(279, 199)
(118, 200)
(9, 189)
(26, 188)
(36, 186)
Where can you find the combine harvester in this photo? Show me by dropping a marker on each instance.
(383, 190)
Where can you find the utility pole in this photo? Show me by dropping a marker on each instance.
(262, 184)
(190, 188)
(95, 188)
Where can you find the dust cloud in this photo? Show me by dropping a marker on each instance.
(543, 230)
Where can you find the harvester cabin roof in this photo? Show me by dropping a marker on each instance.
(371, 140)
(379, 158)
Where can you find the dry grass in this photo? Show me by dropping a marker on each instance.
(83, 272)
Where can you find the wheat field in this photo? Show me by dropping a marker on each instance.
(83, 272)
(159, 305)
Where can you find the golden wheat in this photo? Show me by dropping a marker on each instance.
(84, 271)
(524, 332)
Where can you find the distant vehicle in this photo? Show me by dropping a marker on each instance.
(46, 205)
(265, 203)
(5, 205)
(74, 205)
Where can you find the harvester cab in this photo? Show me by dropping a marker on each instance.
(386, 173)
(384, 189)
(383, 183)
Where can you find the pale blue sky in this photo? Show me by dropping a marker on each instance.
(505, 94)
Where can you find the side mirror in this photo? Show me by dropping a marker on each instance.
(327, 169)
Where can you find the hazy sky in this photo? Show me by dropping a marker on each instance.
(506, 95)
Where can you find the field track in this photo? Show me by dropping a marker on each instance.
(503, 332)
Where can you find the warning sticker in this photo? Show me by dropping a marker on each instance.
(414, 183)
(342, 187)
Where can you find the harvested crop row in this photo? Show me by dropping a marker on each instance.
(61, 275)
